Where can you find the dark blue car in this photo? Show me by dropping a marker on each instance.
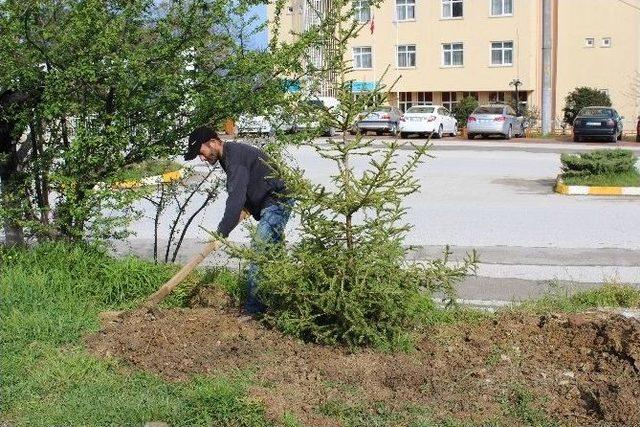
(598, 122)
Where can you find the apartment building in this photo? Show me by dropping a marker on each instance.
(444, 50)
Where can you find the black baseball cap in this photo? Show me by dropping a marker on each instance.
(198, 137)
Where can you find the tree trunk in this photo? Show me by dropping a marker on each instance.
(10, 179)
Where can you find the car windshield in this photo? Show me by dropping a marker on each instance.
(596, 112)
(420, 110)
(488, 110)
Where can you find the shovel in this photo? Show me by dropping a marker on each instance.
(154, 299)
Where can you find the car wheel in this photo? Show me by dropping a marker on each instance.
(576, 138)
(638, 138)
(394, 130)
(509, 134)
(404, 135)
(521, 135)
(471, 136)
(439, 134)
(379, 132)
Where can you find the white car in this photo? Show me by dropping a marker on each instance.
(427, 120)
(308, 121)
(248, 124)
(266, 125)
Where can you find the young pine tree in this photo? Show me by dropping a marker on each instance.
(346, 279)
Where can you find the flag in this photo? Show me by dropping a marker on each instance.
(372, 26)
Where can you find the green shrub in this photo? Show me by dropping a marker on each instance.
(463, 110)
(599, 162)
(583, 97)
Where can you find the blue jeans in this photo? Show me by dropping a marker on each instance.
(273, 220)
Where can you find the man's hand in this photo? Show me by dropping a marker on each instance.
(244, 215)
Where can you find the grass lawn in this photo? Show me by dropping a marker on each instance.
(49, 299)
(630, 179)
(148, 168)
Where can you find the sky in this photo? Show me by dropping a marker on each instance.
(259, 40)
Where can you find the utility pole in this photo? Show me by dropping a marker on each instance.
(547, 65)
(516, 83)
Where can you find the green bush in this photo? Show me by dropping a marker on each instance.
(463, 110)
(583, 97)
(322, 293)
(599, 162)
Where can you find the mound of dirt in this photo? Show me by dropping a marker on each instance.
(574, 369)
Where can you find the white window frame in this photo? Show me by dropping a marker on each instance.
(604, 44)
(473, 94)
(499, 94)
(362, 10)
(407, 52)
(425, 101)
(503, 2)
(406, 103)
(502, 50)
(590, 42)
(409, 7)
(450, 3)
(451, 50)
(359, 53)
(449, 105)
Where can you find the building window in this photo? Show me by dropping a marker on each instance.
(405, 10)
(406, 55)
(497, 97)
(589, 42)
(452, 9)
(449, 100)
(453, 55)
(404, 101)
(425, 98)
(501, 7)
(501, 53)
(362, 10)
(606, 42)
(473, 95)
(362, 57)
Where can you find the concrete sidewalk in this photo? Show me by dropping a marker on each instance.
(505, 274)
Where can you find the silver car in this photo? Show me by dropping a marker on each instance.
(495, 119)
(385, 118)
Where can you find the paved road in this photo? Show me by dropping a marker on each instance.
(496, 197)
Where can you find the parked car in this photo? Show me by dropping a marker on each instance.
(495, 119)
(305, 119)
(433, 120)
(598, 122)
(248, 124)
(638, 130)
(274, 120)
(385, 118)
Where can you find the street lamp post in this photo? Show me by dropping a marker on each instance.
(516, 83)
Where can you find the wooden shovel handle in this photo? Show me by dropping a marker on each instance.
(166, 289)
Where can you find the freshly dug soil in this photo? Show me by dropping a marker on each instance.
(517, 369)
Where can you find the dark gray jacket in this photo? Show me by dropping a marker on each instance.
(249, 183)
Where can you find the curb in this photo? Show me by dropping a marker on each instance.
(151, 180)
(585, 190)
